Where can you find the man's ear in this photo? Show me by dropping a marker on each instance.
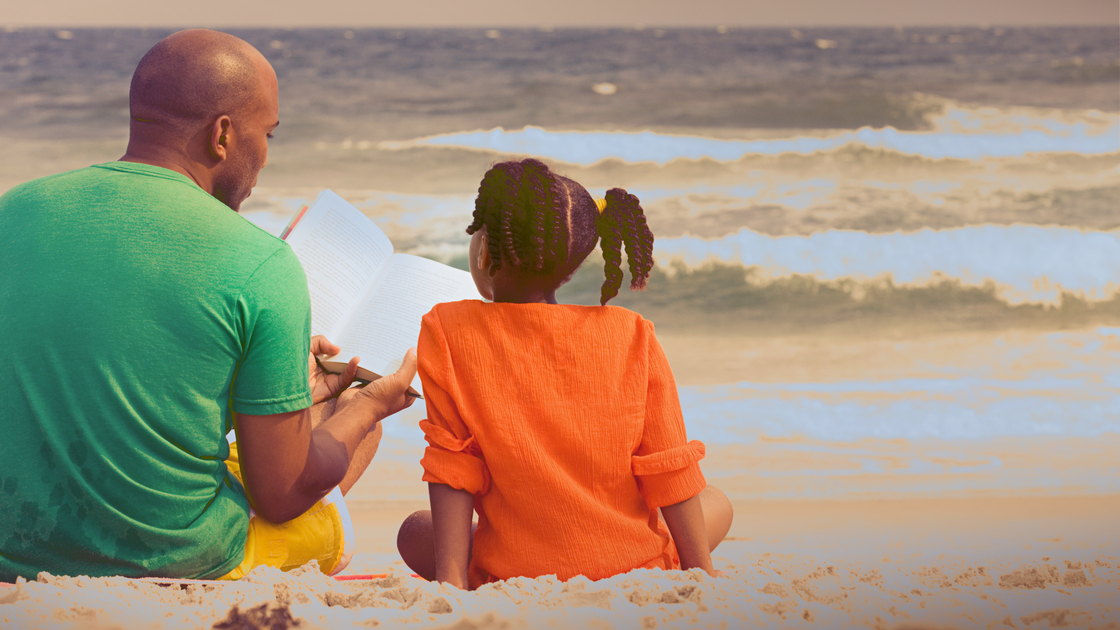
(220, 133)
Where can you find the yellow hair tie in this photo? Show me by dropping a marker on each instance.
(601, 204)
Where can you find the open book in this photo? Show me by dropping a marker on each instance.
(364, 297)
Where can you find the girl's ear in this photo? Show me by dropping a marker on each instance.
(484, 259)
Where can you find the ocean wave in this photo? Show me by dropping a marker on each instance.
(1009, 264)
(809, 206)
(1026, 263)
(736, 300)
(958, 133)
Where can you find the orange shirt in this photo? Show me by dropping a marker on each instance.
(564, 423)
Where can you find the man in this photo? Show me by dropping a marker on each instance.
(142, 318)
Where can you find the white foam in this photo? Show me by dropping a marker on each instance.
(958, 133)
(1027, 263)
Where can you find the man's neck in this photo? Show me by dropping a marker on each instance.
(163, 160)
(154, 144)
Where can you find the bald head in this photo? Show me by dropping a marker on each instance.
(192, 77)
(204, 103)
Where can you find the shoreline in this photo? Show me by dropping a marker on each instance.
(1065, 523)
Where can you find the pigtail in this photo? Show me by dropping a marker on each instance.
(623, 223)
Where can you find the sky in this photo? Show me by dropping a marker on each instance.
(523, 13)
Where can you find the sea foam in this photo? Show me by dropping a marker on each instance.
(958, 133)
(1027, 263)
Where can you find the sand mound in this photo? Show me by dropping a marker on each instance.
(771, 592)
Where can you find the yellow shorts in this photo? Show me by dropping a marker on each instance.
(323, 533)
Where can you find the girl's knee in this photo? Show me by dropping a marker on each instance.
(416, 528)
(416, 543)
(718, 514)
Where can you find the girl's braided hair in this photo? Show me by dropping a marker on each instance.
(546, 224)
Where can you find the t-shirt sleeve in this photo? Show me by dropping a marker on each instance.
(453, 456)
(666, 464)
(275, 317)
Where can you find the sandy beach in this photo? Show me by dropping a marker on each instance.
(883, 546)
(886, 283)
(933, 563)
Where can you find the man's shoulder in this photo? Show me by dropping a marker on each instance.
(108, 182)
(44, 185)
(116, 195)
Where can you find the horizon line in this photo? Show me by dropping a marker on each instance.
(14, 27)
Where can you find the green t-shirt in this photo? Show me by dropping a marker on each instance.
(137, 313)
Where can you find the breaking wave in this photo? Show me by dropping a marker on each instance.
(1026, 263)
(957, 133)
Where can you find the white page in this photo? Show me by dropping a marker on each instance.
(342, 252)
(388, 323)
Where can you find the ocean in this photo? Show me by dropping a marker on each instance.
(893, 251)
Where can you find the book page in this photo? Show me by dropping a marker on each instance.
(388, 323)
(342, 252)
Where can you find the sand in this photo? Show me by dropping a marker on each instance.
(919, 563)
(870, 533)
(773, 592)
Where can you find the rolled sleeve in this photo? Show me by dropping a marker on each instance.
(453, 456)
(666, 463)
(669, 477)
(453, 462)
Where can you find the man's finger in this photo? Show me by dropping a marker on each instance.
(407, 370)
(348, 373)
(321, 345)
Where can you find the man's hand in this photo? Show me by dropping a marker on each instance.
(326, 385)
(388, 394)
(288, 465)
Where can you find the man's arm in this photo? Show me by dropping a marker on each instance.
(288, 466)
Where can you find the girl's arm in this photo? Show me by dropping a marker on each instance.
(452, 511)
(690, 534)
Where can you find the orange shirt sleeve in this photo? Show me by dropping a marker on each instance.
(453, 457)
(666, 462)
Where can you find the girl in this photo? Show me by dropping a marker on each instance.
(558, 424)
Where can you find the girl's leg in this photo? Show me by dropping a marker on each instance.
(718, 514)
(416, 544)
